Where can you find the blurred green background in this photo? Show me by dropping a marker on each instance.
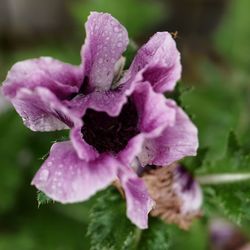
(214, 38)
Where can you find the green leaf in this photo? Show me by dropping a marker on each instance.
(42, 198)
(235, 159)
(109, 227)
(232, 199)
(194, 163)
(178, 93)
(156, 237)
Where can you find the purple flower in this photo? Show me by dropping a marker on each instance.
(116, 123)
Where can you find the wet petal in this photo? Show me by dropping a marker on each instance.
(60, 78)
(65, 178)
(41, 110)
(106, 40)
(175, 142)
(154, 117)
(152, 109)
(83, 149)
(159, 62)
(139, 203)
(37, 89)
(188, 190)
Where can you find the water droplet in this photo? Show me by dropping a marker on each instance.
(113, 22)
(119, 44)
(116, 29)
(58, 173)
(44, 174)
(100, 60)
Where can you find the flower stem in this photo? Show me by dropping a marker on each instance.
(137, 238)
(215, 179)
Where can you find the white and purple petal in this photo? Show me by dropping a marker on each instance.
(60, 78)
(37, 89)
(139, 203)
(174, 143)
(106, 40)
(154, 117)
(159, 62)
(65, 178)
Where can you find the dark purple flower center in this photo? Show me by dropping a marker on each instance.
(110, 134)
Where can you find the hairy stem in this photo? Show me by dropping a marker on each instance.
(215, 179)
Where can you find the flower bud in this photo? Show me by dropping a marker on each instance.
(177, 195)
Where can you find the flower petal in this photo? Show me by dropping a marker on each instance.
(173, 144)
(106, 40)
(65, 178)
(139, 203)
(159, 61)
(60, 78)
(84, 150)
(188, 190)
(152, 109)
(37, 88)
(41, 110)
(154, 117)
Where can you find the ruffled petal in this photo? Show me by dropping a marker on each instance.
(154, 117)
(65, 178)
(83, 149)
(60, 78)
(175, 142)
(37, 89)
(159, 62)
(139, 203)
(41, 110)
(106, 40)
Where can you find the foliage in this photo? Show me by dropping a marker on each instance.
(109, 227)
(42, 198)
(232, 199)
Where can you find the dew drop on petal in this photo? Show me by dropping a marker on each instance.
(119, 44)
(100, 60)
(44, 174)
(49, 164)
(116, 29)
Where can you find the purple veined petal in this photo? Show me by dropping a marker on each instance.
(37, 89)
(106, 40)
(175, 142)
(154, 117)
(188, 190)
(65, 178)
(109, 101)
(139, 203)
(60, 78)
(154, 114)
(159, 61)
(41, 110)
(84, 150)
